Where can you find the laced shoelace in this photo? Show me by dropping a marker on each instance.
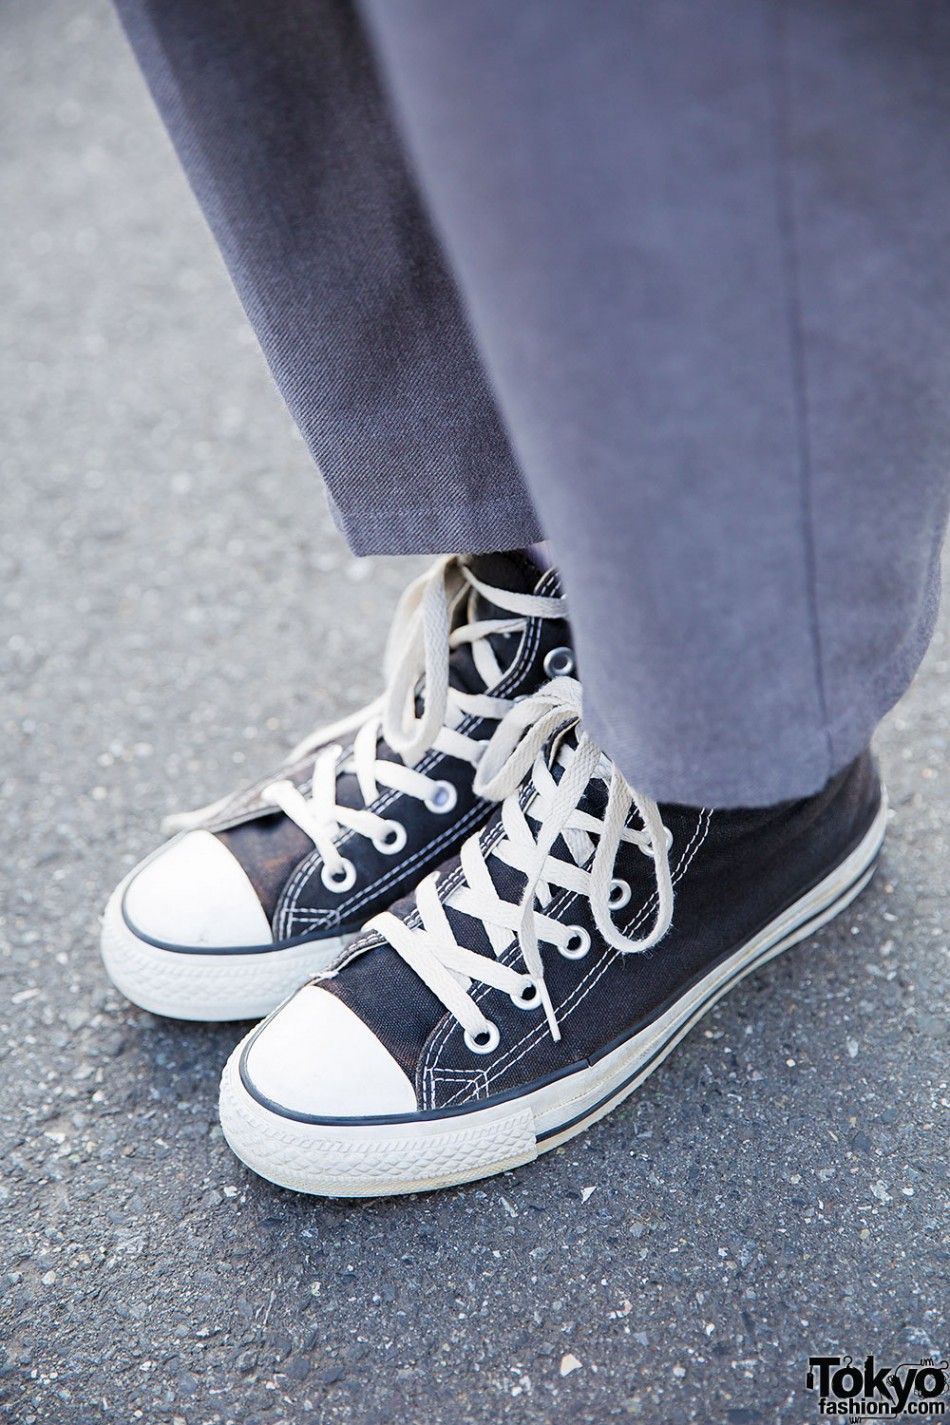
(517, 746)
(419, 646)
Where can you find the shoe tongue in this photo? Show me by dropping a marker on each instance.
(513, 572)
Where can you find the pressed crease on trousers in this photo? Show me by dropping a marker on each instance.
(665, 283)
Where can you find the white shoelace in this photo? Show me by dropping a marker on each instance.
(432, 949)
(419, 646)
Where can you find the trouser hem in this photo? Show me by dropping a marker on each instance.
(788, 765)
(477, 528)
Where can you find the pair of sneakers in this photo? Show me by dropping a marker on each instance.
(470, 937)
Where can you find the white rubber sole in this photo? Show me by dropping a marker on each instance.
(416, 1154)
(244, 985)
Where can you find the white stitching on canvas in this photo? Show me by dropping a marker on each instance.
(584, 987)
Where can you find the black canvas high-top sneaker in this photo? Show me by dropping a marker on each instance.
(535, 980)
(265, 888)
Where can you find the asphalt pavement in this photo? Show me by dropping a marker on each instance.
(176, 609)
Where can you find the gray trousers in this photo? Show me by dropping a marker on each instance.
(667, 283)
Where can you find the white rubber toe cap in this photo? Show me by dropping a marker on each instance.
(194, 893)
(317, 1057)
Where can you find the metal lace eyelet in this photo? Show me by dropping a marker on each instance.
(489, 1036)
(559, 663)
(391, 839)
(528, 998)
(648, 850)
(619, 893)
(340, 879)
(578, 944)
(442, 798)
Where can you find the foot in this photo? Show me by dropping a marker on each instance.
(531, 984)
(264, 889)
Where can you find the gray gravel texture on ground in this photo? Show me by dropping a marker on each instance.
(177, 610)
